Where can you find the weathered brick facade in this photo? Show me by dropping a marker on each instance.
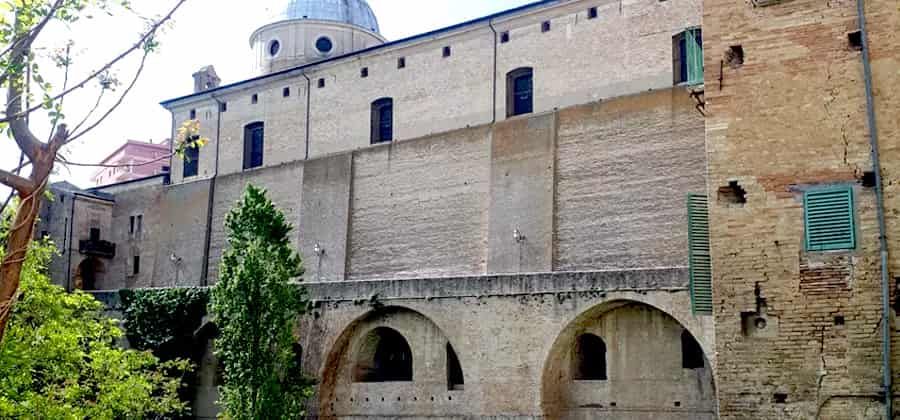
(792, 117)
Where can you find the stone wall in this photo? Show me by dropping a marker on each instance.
(790, 117)
(513, 338)
(626, 50)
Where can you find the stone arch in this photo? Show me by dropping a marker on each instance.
(90, 272)
(384, 356)
(346, 388)
(643, 347)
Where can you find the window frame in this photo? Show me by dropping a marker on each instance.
(687, 57)
(512, 94)
(249, 158)
(190, 164)
(377, 121)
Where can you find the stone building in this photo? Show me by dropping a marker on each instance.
(508, 217)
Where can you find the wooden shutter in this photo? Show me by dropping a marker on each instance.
(694, 46)
(698, 254)
(828, 219)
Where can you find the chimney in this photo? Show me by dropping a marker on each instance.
(206, 79)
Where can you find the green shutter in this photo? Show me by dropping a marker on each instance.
(694, 45)
(828, 219)
(698, 254)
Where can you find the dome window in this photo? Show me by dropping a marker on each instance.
(324, 45)
(274, 48)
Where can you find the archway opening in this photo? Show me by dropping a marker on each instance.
(589, 358)
(89, 274)
(383, 356)
(455, 380)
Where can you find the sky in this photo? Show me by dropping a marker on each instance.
(203, 32)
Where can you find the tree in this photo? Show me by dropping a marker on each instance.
(60, 360)
(255, 306)
(22, 24)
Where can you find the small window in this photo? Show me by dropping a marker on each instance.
(191, 160)
(687, 58)
(132, 222)
(321, 83)
(254, 99)
(193, 114)
(545, 26)
(136, 266)
(447, 52)
(592, 13)
(829, 219)
(274, 48)
(589, 358)
(382, 120)
(504, 37)
(520, 92)
(140, 225)
(401, 63)
(254, 135)
(691, 352)
(223, 107)
(324, 45)
(95, 234)
(364, 72)
(286, 92)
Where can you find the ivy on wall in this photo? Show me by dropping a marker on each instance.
(164, 320)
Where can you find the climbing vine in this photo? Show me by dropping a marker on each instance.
(164, 320)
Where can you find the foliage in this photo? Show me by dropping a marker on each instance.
(255, 305)
(163, 320)
(59, 359)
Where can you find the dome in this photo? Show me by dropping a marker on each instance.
(353, 12)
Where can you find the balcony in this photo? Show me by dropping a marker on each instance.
(97, 248)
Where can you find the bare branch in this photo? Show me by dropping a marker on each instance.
(23, 185)
(64, 161)
(10, 116)
(137, 75)
(91, 112)
(17, 45)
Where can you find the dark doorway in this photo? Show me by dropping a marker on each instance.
(455, 380)
(589, 358)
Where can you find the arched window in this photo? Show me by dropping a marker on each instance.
(589, 358)
(383, 356)
(519, 92)
(254, 137)
(455, 380)
(691, 352)
(382, 120)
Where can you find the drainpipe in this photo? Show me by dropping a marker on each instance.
(494, 82)
(882, 230)
(70, 243)
(308, 96)
(204, 275)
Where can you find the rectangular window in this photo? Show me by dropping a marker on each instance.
(191, 161)
(139, 229)
(520, 92)
(254, 99)
(193, 115)
(95, 234)
(223, 107)
(364, 72)
(286, 92)
(253, 145)
(136, 265)
(828, 219)
(447, 51)
(321, 83)
(382, 120)
(592, 13)
(504, 37)
(687, 58)
(401, 62)
(698, 254)
(545, 26)
(131, 225)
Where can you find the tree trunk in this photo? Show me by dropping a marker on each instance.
(16, 250)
